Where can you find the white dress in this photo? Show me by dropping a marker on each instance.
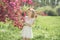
(27, 30)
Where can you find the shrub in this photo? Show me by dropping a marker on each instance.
(47, 10)
(50, 13)
(58, 11)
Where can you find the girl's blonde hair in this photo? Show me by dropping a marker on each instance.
(33, 13)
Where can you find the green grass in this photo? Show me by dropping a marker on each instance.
(45, 28)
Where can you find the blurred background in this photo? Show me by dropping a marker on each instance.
(45, 27)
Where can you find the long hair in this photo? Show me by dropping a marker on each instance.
(33, 14)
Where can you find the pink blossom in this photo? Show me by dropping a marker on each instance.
(24, 0)
(4, 0)
(30, 2)
(16, 0)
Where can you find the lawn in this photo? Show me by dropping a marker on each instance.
(45, 28)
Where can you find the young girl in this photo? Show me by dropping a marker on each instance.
(27, 29)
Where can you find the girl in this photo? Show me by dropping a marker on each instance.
(27, 29)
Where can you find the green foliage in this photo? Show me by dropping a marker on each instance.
(25, 8)
(50, 13)
(45, 28)
(48, 10)
(8, 31)
(51, 3)
(58, 10)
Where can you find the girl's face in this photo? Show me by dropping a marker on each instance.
(29, 13)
